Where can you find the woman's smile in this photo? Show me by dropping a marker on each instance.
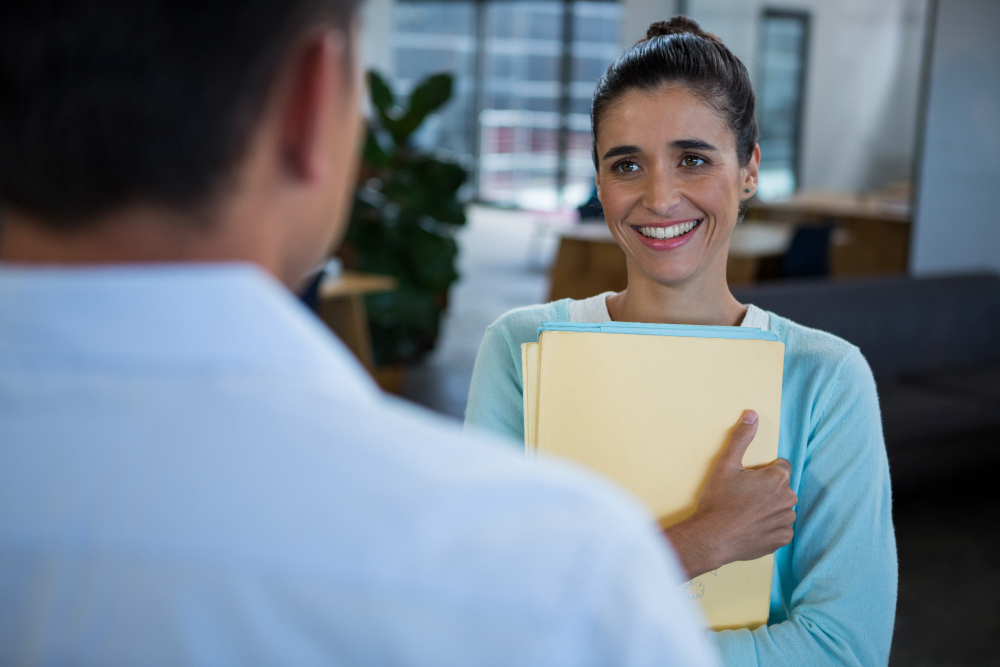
(668, 235)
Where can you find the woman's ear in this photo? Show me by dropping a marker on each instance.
(597, 183)
(750, 173)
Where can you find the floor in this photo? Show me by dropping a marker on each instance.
(948, 535)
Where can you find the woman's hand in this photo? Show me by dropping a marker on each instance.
(742, 513)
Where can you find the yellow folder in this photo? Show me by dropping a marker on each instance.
(529, 366)
(653, 412)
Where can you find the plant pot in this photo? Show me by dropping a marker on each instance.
(390, 378)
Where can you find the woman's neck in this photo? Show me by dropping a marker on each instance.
(704, 299)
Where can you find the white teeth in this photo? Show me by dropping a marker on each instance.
(667, 232)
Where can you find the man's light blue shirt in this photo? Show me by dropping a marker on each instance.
(192, 470)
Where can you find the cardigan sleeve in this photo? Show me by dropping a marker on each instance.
(496, 403)
(841, 589)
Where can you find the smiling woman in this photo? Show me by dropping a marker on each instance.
(675, 146)
(671, 194)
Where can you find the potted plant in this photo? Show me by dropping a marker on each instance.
(406, 212)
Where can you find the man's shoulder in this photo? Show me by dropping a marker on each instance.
(466, 526)
(380, 493)
(466, 531)
(488, 472)
(373, 499)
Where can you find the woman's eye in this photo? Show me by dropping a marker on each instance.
(692, 161)
(627, 166)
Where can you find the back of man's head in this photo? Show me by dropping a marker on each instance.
(109, 103)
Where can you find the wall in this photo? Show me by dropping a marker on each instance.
(956, 226)
(376, 29)
(638, 14)
(862, 84)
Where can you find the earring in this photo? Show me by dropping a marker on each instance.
(748, 190)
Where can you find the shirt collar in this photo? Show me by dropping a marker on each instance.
(167, 318)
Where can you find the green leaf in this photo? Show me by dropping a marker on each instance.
(441, 181)
(429, 96)
(448, 211)
(381, 94)
(404, 324)
(433, 259)
(442, 178)
(373, 152)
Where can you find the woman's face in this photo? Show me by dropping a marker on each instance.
(670, 182)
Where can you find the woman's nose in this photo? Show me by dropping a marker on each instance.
(661, 195)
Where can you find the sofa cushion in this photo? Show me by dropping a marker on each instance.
(929, 435)
(980, 384)
(902, 325)
(913, 414)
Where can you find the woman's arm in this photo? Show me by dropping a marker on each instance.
(496, 403)
(841, 589)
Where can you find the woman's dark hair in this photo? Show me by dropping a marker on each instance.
(679, 51)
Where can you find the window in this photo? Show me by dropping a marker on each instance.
(526, 71)
(780, 90)
(431, 37)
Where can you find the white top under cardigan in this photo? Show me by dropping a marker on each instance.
(595, 309)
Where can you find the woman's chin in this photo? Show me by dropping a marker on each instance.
(670, 273)
(678, 266)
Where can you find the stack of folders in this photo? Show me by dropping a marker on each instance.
(652, 406)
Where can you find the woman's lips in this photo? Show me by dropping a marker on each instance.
(676, 227)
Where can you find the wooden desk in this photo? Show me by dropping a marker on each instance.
(587, 262)
(873, 232)
(342, 307)
(752, 243)
(590, 262)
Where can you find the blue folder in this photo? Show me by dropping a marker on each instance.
(646, 329)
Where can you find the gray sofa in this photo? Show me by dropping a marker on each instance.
(934, 347)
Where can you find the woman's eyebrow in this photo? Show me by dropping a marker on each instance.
(620, 150)
(692, 145)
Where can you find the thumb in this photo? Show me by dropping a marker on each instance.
(741, 438)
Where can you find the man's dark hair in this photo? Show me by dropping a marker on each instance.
(105, 103)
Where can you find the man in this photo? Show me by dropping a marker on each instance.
(191, 469)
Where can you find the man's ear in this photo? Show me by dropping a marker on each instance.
(314, 77)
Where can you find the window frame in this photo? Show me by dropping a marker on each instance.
(804, 17)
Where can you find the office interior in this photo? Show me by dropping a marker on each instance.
(875, 219)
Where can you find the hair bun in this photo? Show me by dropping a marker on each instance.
(679, 25)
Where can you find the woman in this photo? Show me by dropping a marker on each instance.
(676, 156)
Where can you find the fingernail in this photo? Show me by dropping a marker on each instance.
(749, 417)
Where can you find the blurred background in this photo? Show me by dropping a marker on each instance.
(876, 219)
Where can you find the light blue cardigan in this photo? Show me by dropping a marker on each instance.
(833, 595)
